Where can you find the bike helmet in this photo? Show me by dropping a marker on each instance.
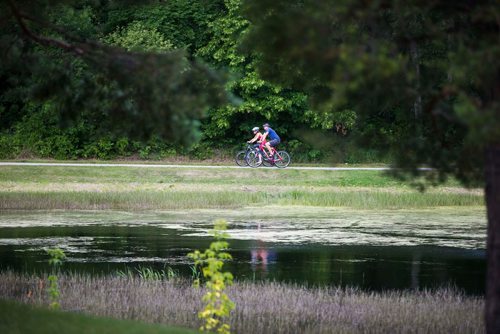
(266, 125)
(255, 129)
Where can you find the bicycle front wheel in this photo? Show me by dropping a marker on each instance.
(253, 159)
(240, 158)
(282, 159)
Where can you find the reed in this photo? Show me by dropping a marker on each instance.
(264, 307)
(173, 200)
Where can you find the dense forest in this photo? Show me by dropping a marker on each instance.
(56, 105)
(159, 79)
(36, 122)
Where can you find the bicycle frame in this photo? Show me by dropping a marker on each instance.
(262, 148)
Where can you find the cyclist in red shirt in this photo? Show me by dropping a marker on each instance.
(258, 137)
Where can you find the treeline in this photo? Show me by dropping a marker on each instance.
(55, 105)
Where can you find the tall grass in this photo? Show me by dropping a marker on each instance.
(147, 273)
(135, 200)
(378, 200)
(171, 200)
(260, 307)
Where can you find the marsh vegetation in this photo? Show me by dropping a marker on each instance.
(80, 188)
(261, 307)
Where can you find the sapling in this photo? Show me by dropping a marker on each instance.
(55, 261)
(218, 306)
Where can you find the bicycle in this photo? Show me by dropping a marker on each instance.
(256, 158)
(241, 156)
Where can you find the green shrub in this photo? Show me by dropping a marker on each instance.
(8, 147)
(103, 148)
(122, 147)
(302, 152)
(201, 151)
(57, 256)
(218, 306)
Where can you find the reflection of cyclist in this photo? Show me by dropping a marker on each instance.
(274, 139)
(259, 137)
(261, 256)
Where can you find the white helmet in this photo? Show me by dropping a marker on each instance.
(255, 129)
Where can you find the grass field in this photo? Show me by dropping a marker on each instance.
(264, 307)
(21, 318)
(30, 187)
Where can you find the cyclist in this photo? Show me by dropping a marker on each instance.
(274, 139)
(258, 137)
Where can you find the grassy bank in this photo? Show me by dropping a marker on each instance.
(28, 187)
(260, 307)
(20, 318)
(227, 199)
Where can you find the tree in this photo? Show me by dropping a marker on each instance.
(139, 93)
(430, 68)
(256, 100)
(137, 37)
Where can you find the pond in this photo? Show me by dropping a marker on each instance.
(372, 250)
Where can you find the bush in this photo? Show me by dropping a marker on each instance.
(8, 147)
(102, 149)
(201, 151)
(122, 147)
(303, 152)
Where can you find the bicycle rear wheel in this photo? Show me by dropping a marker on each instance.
(240, 158)
(267, 163)
(253, 159)
(282, 159)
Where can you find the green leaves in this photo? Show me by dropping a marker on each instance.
(418, 75)
(57, 256)
(137, 37)
(218, 305)
(258, 100)
(128, 90)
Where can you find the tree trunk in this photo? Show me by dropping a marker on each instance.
(492, 192)
(415, 59)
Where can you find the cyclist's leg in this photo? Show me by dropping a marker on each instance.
(272, 146)
(259, 148)
(269, 145)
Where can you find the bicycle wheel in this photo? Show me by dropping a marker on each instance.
(281, 159)
(267, 163)
(253, 159)
(240, 158)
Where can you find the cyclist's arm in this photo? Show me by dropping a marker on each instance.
(253, 139)
(264, 137)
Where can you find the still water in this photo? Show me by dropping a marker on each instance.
(375, 251)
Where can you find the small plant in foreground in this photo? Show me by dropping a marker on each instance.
(56, 258)
(218, 305)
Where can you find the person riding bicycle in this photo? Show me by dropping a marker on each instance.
(274, 139)
(258, 137)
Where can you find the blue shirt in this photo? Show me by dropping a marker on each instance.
(272, 134)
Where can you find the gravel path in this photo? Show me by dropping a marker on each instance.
(69, 164)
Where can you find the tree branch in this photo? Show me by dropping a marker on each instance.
(20, 18)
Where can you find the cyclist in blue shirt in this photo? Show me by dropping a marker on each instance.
(273, 139)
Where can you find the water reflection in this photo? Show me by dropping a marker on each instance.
(260, 255)
(415, 270)
(103, 249)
